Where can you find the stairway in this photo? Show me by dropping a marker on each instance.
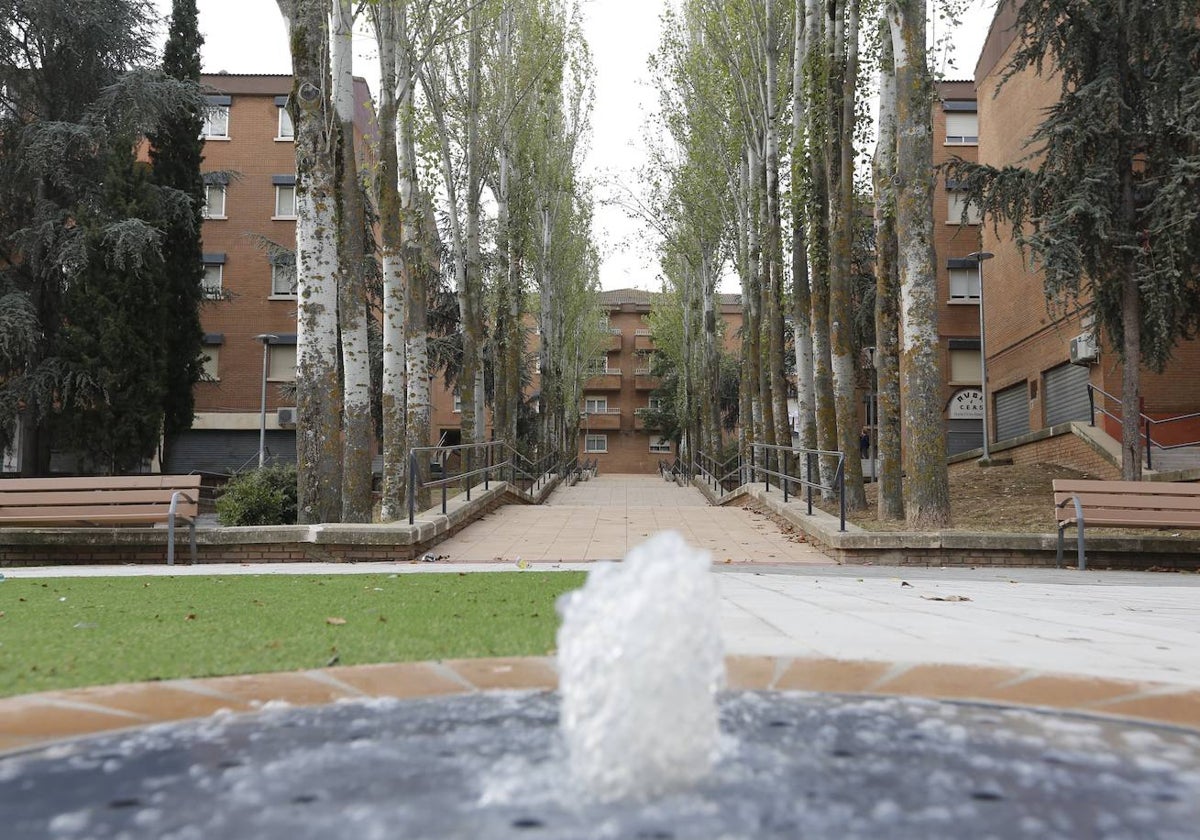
(1177, 460)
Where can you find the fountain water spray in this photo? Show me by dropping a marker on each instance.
(640, 661)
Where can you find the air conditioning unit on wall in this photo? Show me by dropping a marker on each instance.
(1083, 349)
(287, 418)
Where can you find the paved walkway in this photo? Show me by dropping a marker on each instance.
(602, 519)
(1112, 642)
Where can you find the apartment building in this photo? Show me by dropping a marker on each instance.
(1040, 363)
(612, 422)
(249, 313)
(956, 244)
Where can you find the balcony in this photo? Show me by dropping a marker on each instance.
(607, 419)
(608, 379)
(644, 381)
(612, 342)
(643, 340)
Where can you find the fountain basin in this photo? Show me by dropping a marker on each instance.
(491, 765)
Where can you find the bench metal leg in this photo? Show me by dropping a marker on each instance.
(171, 539)
(192, 528)
(1079, 532)
(1058, 559)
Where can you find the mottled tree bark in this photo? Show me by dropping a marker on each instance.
(889, 489)
(318, 384)
(927, 490)
(352, 298)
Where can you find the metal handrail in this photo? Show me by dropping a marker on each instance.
(1148, 423)
(806, 481)
(709, 468)
(539, 471)
(489, 462)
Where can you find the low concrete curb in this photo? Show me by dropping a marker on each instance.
(278, 543)
(971, 548)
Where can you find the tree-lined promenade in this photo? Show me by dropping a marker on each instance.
(471, 225)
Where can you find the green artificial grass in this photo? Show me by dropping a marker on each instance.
(68, 632)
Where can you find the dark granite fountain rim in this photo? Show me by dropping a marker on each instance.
(36, 719)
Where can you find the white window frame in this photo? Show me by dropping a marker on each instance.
(274, 363)
(277, 274)
(655, 403)
(660, 445)
(214, 291)
(964, 285)
(954, 208)
(595, 405)
(961, 137)
(591, 441)
(457, 408)
(285, 216)
(208, 202)
(215, 116)
(285, 116)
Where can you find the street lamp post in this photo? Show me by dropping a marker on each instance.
(266, 339)
(980, 257)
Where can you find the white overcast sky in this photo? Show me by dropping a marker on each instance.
(247, 36)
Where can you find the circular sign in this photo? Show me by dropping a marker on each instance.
(967, 404)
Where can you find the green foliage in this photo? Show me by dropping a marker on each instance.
(82, 230)
(1106, 198)
(176, 154)
(90, 631)
(260, 497)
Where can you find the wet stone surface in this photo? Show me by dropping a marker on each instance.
(491, 766)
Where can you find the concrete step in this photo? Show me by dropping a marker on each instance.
(1173, 460)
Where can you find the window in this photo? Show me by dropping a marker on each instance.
(964, 283)
(596, 405)
(281, 363)
(216, 118)
(962, 128)
(211, 362)
(212, 280)
(660, 445)
(285, 201)
(595, 443)
(286, 131)
(656, 403)
(283, 278)
(965, 367)
(957, 201)
(214, 201)
(457, 402)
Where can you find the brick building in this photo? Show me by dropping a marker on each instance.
(612, 428)
(1032, 383)
(956, 134)
(250, 176)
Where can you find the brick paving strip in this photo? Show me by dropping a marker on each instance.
(37, 719)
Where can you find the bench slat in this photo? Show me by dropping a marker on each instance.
(101, 519)
(60, 498)
(1139, 488)
(1135, 518)
(1127, 502)
(103, 482)
(85, 512)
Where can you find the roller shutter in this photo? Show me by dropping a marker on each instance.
(1066, 394)
(963, 436)
(227, 451)
(1012, 412)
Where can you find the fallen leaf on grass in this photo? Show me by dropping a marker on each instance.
(945, 597)
(190, 617)
(334, 620)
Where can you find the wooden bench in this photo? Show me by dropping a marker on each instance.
(1123, 504)
(103, 500)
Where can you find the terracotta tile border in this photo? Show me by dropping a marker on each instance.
(34, 719)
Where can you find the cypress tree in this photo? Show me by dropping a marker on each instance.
(176, 154)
